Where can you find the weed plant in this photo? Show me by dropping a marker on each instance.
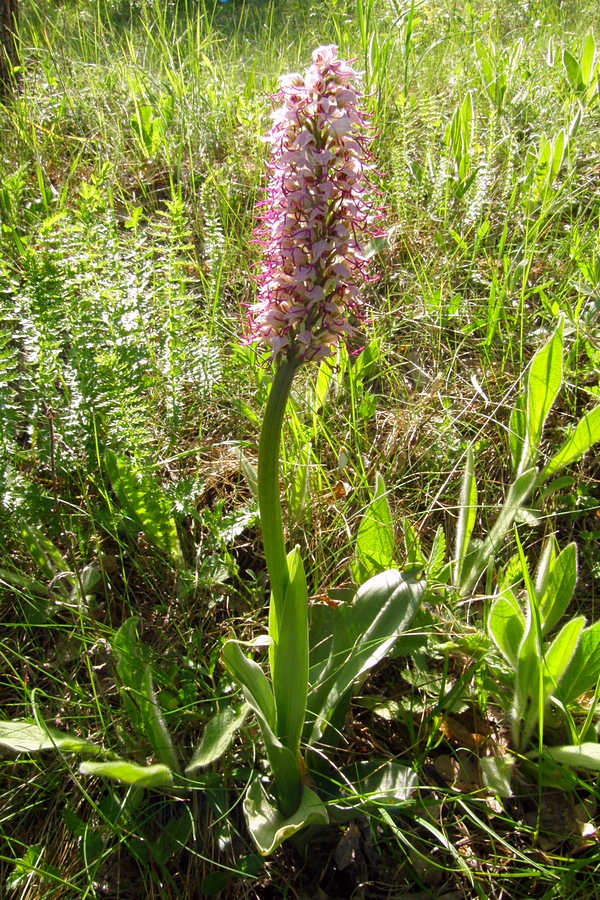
(131, 165)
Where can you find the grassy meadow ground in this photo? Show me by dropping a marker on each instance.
(131, 162)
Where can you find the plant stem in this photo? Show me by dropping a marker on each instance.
(269, 498)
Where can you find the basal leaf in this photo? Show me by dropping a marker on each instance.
(269, 827)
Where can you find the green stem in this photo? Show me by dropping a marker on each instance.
(269, 497)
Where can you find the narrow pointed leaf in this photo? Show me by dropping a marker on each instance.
(466, 516)
(363, 632)
(251, 677)
(476, 562)
(154, 724)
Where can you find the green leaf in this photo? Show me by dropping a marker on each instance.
(375, 541)
(157, 776)
(506, 625)
(573, 71)
(269, 828)
(217, 737)
(585, 434)
(364, 631)
(45, 555)
(143, 499)
(559, 587)
(379, 782)
(584, 670)
(155, 726)
(578, 756)
(467, 506)
(129, 655)
(285, 764)
(27, 736)
(290, 657)
(517, 432)
(253, 680)
(543, 381)
(561, 652)
(497, 773)
(437, 554)
(477, 560)
(587, 58)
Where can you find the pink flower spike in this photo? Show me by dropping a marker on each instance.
(317, 214)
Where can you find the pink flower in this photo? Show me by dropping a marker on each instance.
(317, 212)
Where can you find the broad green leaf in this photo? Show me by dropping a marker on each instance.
(375, 541)
(561, 652)
(542, 384)
(155, 726)
(27, 736)
(290, 657)
(477, 560)
(584, 670)
(217, 737)
(143, 499)
(380, 782)
(467, 506)
(579, 756)
(573, 71)
(588, 56)
(269, 828)
(157, 776)
(585, 434)
(497, 774)
(559, 587)
(364, 631)
(506, 625)
(285, 763)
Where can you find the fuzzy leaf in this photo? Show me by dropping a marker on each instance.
(26, 736)
(217, 737)
(157, 776)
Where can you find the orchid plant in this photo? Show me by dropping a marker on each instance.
(315, 221)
